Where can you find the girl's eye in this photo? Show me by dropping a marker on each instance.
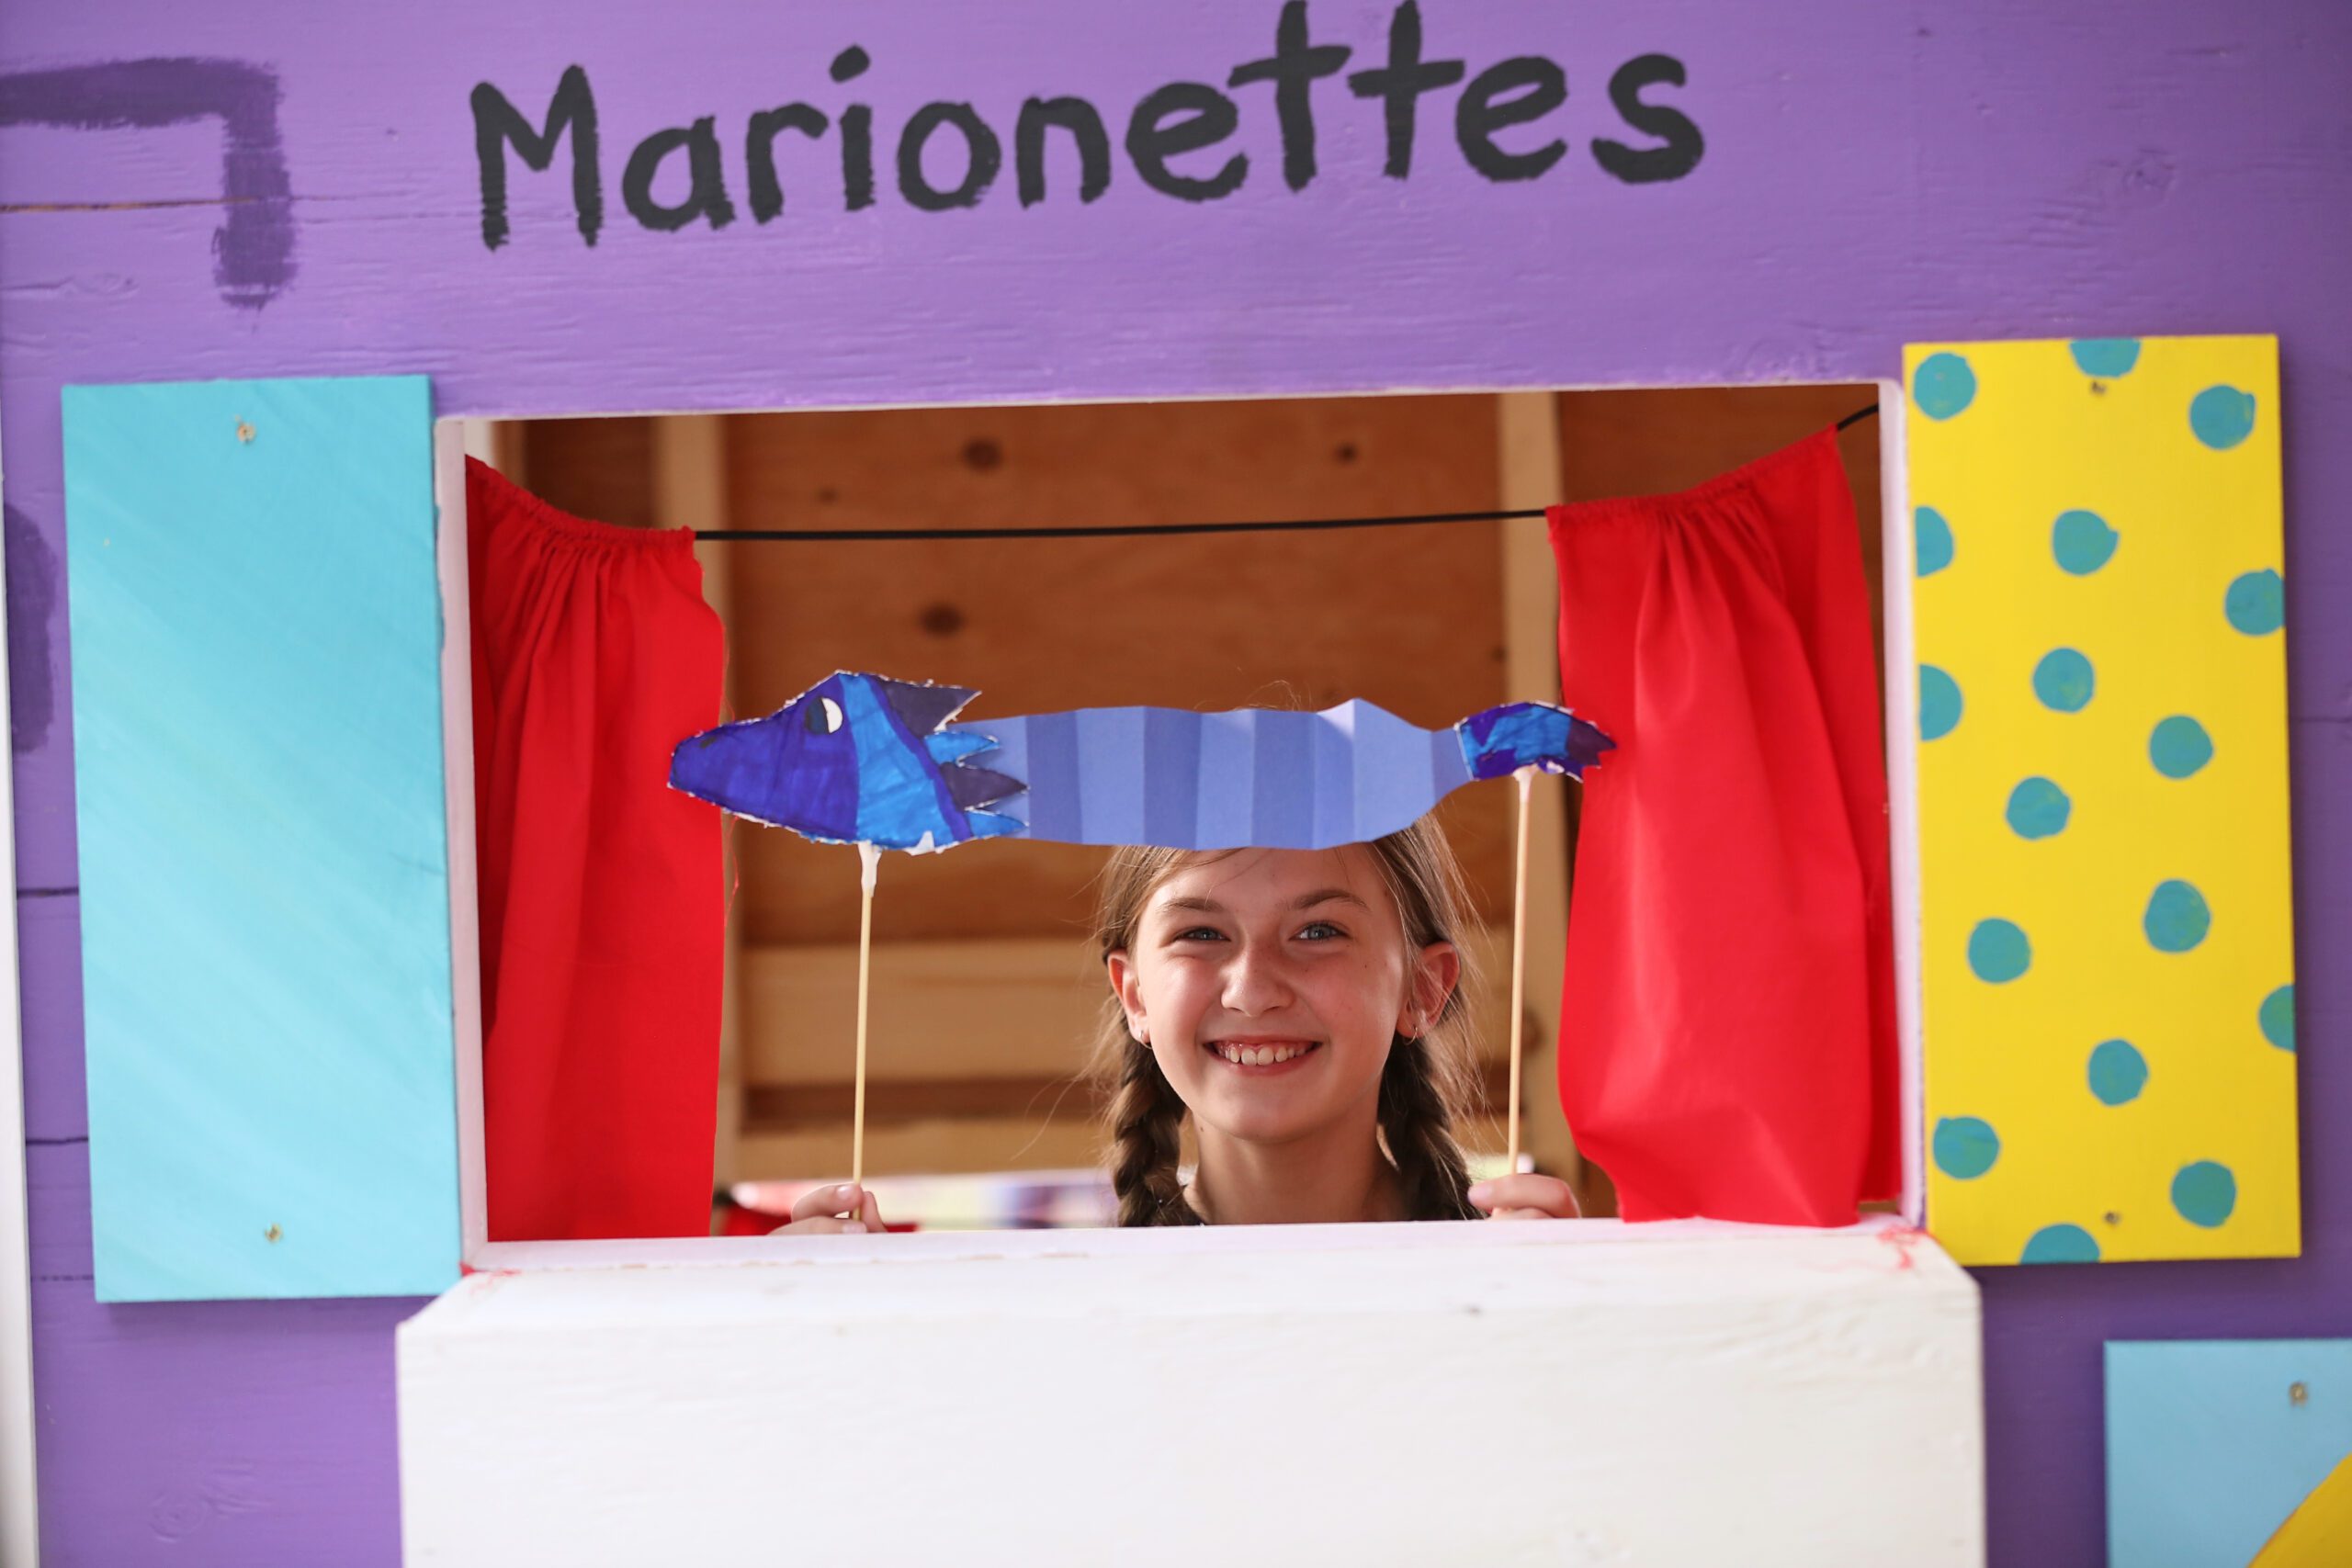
(1320, 930)
(1198, 933)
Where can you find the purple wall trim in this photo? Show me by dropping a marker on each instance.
(1873, 174)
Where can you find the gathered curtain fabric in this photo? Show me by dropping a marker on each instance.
(1728, 1044)
(603, 901)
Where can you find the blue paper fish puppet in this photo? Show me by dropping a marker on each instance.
(863, 759)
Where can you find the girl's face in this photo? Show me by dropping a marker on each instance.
(1269, 984)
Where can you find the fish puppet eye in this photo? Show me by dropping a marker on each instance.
(824, 716)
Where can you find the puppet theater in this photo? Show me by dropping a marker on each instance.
(1911, 996)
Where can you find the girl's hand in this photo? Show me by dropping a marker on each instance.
(1523, 1195)
(834, 1210)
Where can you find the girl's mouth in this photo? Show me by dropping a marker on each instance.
(1262, 1056)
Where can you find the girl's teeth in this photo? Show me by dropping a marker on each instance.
(1259, 1056)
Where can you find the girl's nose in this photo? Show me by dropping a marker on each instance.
(1256, 981)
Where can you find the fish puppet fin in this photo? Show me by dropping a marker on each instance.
(948, 746)
(921, 705)
(972, 788)
(1501, 740)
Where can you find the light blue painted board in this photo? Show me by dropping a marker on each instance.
(256, 640)
(2208, 1449)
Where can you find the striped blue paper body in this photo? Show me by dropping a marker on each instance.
(1264, 777)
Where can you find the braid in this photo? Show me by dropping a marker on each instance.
(1145, 1117)
(1417, 1125)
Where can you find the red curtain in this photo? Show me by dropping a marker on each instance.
(1729, 1037)
(603, 902)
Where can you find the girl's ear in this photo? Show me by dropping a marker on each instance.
(1436, 970)
(1129, 990)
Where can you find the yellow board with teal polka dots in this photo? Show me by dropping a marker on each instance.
(2107, 942)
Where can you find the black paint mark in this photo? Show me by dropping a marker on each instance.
(1402, 82)
(983, 157)
(47, 892)
(759, 153)
(982, 455)
(1085, 125)
(706, 199)
(1294, 68)
(32, 605)
(253, 250)
(858, 133)
(1684, 145)
(1184, 117)
(1525, 88)
(497, 125)
(64, 1143)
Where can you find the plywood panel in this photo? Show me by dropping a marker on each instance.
(969, 1008)
(2107, 932)
(599, 469)
(1409, 618)
(263, 847)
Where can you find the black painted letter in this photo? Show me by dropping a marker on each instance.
(707, 199)
(1077, 117)
(1294, 68)
(1402, 82)
(983, 157)
(1487, 106)
(857, 134)
(496, 125)
(759, 153)
(1184, 117)
(1645, 165)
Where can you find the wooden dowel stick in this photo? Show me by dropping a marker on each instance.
(1526, 777)
(869, 860)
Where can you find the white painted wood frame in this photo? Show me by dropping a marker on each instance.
(20, 1494)
(452, 440)
(1675, 1395)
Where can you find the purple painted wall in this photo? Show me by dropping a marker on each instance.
(1875, 173)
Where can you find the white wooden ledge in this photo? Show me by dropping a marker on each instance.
(1496, 1393)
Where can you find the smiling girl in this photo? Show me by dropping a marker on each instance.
(1305, 1009)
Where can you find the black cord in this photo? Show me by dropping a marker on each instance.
(1116, 531)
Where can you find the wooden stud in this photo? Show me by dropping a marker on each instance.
(1528, 455)
(690, 492)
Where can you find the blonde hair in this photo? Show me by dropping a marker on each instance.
(1426, 1089)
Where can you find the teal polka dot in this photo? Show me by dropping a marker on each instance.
(2060, 1244)
(1943, 384)
(2081, 541)
(2063, 681)
(1965, 1146)
(2277, 1017)
(2222, 416)
(1933, 537)
(1998, 952)
(2104, 357)
(1938, 704)
(2178, 919)
(2118, 1072)
(2039, 809)
(2205, 1193)
(2179, 747)
(2257, 604)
